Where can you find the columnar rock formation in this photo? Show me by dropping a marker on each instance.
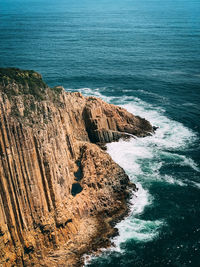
(58, 189)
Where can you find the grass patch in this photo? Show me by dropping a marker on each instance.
(28, 81)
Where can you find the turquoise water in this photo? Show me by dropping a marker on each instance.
(145, 56)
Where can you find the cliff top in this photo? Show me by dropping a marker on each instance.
(14, 81)
(22, 81)
(18, 75)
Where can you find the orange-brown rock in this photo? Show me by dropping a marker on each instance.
(58, 189)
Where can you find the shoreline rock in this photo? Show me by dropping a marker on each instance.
(60, 193)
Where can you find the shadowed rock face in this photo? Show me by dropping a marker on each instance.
(107, 123)
(58, 189)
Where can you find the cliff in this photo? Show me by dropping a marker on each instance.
(59, 190)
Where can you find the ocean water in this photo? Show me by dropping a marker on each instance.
(143, 55)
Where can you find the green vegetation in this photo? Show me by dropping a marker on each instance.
(57, 89)
(15, 111)
(28, 81)
(15, 82)
(32, 91)
(32, 106)
(26, 112)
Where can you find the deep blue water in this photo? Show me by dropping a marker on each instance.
(145, 56)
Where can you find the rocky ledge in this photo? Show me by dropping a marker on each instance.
(59, 190)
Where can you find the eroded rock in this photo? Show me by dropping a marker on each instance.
(47, 148)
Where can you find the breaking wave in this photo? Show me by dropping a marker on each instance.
(143, 160)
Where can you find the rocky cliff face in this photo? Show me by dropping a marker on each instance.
(58, 189)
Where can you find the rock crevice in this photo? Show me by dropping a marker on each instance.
(58, 189)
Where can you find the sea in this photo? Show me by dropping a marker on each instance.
(143, 55)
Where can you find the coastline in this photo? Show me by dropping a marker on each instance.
(61, 194)
(105, 230)
(144, 58)
(94, 240)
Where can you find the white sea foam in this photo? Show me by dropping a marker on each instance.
(157, 96)
(171, 180)
(196, 184)
(179, 160)
(189, 104)
(142, 159)
(133, 227)
(191, 163)
(140, 200)
(127, 153)
(170, 134)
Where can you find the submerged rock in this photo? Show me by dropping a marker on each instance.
(59, 191)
